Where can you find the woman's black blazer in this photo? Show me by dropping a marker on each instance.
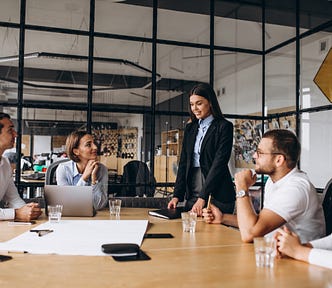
(215, 153)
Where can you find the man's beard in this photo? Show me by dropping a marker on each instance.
(267, 171)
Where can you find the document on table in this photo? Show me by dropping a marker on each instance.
(78, 237)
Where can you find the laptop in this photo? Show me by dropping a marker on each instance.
(76, 200)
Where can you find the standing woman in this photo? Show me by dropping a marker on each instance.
(206, 150)
(84, 169)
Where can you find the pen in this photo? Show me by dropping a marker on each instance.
(31, 221)
(18, 223)
(209, 202)
(17, 252)
(41, 232)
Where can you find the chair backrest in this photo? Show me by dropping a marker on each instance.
(327, 206)
(50, 178)
(137, 173)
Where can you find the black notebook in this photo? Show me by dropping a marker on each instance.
(167, 213)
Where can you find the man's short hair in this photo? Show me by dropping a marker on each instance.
(3, 116)
(286, 143)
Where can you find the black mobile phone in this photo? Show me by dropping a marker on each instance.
(5, 258)
(158, 235)
(120, 249)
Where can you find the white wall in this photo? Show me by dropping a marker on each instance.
(42, 144)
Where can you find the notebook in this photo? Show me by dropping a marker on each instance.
(167, 213)
(76, 200)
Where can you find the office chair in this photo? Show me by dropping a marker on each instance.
(327, 206)
(140, 182)
(50, 176)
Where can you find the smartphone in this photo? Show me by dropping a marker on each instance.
(5, 258)
(120, 249)
(158, 235)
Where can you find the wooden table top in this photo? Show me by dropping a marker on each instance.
(214, 256)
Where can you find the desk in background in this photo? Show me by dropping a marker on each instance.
(212, 257)
(30, 188)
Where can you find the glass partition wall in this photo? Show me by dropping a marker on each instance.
(122, 70)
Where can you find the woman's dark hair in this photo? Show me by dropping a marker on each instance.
(286, 143)
(72, 142)
(206, 91)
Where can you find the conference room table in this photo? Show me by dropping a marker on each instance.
(214, 256)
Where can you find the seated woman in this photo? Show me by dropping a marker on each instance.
(318, 252)
(84, 169)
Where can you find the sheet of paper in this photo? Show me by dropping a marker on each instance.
(78, 237)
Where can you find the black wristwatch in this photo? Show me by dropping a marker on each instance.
(241, 194)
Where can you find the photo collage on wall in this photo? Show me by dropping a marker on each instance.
(248, 133)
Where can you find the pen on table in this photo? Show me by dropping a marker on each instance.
(209, 202)
(17, 252)
(41, 232)
(19, 223)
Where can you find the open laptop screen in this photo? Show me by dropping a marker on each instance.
(76, 200)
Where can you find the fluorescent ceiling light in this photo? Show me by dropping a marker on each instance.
(16, 57)
(77, 58)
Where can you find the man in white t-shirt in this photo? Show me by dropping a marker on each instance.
(289, 197)
(18, 209)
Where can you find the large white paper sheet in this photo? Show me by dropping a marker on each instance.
(78, 237)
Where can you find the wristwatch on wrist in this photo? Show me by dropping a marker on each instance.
(241, 194)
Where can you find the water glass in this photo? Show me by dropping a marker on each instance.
(115, 207)
(264, 251)
(189, 220)
(54, 213)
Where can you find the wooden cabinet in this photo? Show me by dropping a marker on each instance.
(171, 142)
(165, 168)
(166, 165)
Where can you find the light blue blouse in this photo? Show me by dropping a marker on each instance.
(67, 174)
(204, 125)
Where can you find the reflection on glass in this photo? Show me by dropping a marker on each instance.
(281, 79)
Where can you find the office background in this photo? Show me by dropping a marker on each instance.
(127, 66)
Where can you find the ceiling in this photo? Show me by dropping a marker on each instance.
(122, 73)
(312, 12)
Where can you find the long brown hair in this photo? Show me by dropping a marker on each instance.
(206, 91)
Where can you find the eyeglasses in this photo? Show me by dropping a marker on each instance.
(259, 153)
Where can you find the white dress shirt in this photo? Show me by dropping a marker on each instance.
(8, 191)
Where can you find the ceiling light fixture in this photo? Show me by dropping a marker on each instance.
(76, 58)
(16, 57)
